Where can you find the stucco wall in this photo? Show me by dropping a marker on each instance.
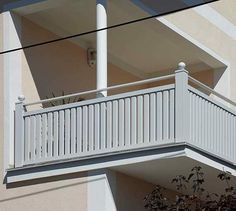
(130, 192)
(60, 66)
(211, 34)
(60, 193)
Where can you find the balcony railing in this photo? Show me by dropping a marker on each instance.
(124, 122)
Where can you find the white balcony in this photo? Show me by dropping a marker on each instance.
(161, 117)
(129, 125)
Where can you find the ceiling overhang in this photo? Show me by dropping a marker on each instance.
(146, 49)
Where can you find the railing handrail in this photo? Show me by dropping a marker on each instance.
(207, 88)
(104, 89)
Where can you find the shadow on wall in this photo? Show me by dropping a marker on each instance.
(62, 66)
(55, 68)
(84, 179)
(58, 67)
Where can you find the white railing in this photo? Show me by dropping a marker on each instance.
(212, 125)
(123, 122)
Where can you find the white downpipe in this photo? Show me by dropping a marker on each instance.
(101, 47)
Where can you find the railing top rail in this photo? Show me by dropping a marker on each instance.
(104, 89)
(205, 87)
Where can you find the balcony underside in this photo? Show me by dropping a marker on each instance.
(157, 165)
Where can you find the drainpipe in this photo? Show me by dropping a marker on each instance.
(101, 47)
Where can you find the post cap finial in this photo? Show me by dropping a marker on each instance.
(181, 66)
(21, 98)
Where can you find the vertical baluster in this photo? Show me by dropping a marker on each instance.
(44, 135)
(211, 125)
(203, 114)
(198, 120)
(109, 125)
(152, 117)
(85, 129)
(127, 121)
(55, 134)
(38, 136)
(172, 115)
(91, 128)
(165, 115)
(32, 137)
(221, 125)
(73, 131)
(195, 118)
(67, 131)
(218, 128)
(192, 117)
(140, 119)
(27, 139)
(146, 119)
(97, 126)
(115, 123)
(231, 149)
(50, 132)
(121, 123)
(233, 138)
(214, 132)
(61, 133)
(228, 132)
(159, 119)
(103, 126)
(133, 120)
(79, 130)
(225, 133)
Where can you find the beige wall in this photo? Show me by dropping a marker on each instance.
(210, 35)
(60, 193)
(130, 192)
(59, 67)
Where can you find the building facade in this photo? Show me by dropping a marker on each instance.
(95, 121)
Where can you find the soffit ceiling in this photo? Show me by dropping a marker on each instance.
(162, 172)
(143, 48)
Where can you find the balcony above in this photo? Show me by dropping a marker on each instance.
(160, 118)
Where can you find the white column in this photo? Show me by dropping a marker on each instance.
(101, 190)
(101, 47)
(12, 80)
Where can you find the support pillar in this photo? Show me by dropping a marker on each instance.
(12, 71)
(101, 190)
(101, 47)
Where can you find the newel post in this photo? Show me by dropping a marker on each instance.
(19, 132)
(182, 104)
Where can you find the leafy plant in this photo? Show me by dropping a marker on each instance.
(64, 101)
(199, 200)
